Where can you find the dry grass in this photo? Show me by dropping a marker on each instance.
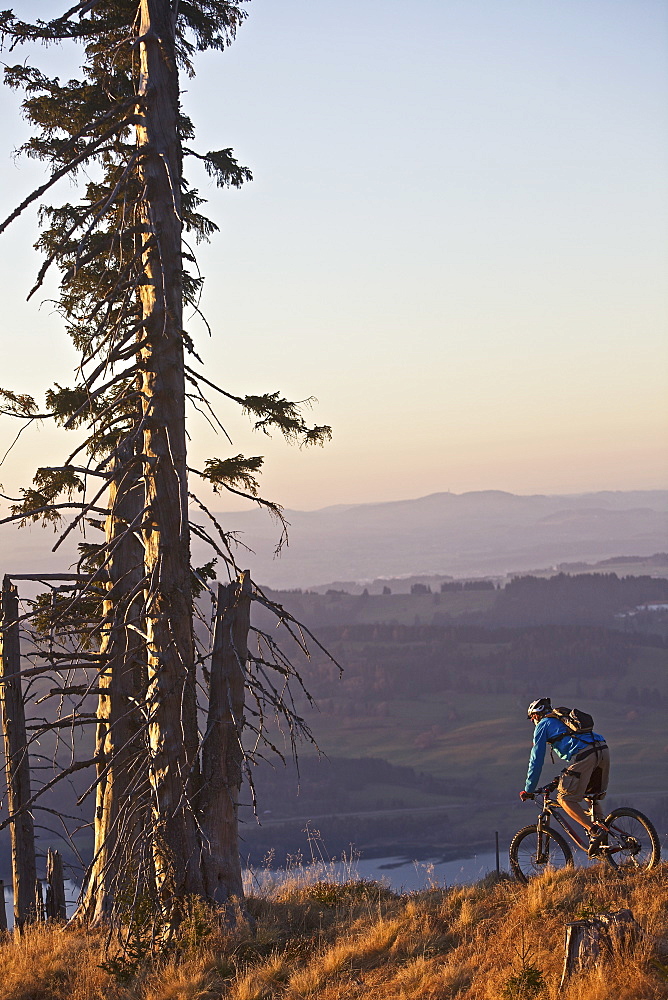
(52, 962)
(352, 941)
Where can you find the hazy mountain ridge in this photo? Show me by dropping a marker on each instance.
(488, 532)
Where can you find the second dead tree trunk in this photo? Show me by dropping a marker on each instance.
(17, 763)
(222, 753)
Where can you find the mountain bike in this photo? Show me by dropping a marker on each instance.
(631, 843)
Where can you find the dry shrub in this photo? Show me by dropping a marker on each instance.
(335, 894)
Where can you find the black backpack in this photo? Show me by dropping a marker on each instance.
(580, 723)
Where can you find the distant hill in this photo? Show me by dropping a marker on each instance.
(448, 534)
(444, 534)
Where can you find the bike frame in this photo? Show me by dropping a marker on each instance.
(552, 809)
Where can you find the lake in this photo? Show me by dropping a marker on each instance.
(399, 874)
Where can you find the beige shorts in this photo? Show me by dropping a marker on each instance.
(588, 776)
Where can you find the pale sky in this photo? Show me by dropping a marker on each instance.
(456, 239)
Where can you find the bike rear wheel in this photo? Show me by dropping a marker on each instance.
(532, 854)
(633, 843)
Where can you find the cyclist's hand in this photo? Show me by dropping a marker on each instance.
(526, 795)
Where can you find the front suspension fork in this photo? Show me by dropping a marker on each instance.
(543, 840)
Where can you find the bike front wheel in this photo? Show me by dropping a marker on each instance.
(633, 843)
(532, 854)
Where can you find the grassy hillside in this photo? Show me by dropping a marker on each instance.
(338, 607)
(497, 940)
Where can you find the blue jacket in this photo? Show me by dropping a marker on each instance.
(566, 746)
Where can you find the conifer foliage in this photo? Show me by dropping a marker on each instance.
(123, 250)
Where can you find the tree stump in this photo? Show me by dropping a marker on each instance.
(593, 941)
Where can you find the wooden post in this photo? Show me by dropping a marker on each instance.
(55, 887)
(222, 755)
(592, 941)
(17, 763)
(3, 911)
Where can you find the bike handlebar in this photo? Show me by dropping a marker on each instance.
(550, 787)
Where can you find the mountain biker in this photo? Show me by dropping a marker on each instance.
(586, 774)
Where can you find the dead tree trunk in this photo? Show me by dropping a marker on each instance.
(222, 754)
(17, 763)
(55, 887)
(172, 693)
(592, 941)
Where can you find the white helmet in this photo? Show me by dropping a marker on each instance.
(539, 707)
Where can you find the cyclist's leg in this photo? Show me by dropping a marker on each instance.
(573, 785)
(603, 768)
(595, 810)
(594, 795)
(598, 784)
(576, 812)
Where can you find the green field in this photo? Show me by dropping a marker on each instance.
(489, 746)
